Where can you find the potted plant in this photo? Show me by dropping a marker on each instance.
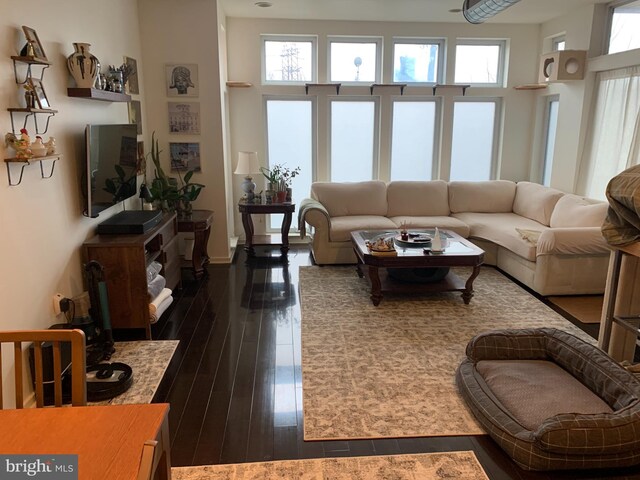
(166, 190)
(279, 178)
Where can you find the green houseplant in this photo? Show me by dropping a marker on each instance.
(279, 178)
(170, 192)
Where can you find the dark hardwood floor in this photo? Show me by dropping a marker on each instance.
(235, 381)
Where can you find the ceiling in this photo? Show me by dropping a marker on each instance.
(526, 11)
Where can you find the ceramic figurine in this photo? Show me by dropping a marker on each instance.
(20, 145)
(38, 148)
(51, 146)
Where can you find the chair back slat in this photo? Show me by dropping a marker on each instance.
(57, 374)
(17, 362)
(78, 364)
(38, 369)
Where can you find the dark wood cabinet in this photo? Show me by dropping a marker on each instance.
(125, 259)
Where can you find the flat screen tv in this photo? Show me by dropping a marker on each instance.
(111, 165)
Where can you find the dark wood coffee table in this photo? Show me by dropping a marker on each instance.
(458, 252)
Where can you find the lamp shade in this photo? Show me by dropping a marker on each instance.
(477, 11)
(247, 163)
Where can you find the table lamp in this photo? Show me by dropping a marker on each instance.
(247, 164)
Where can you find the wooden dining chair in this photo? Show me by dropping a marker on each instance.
(37, 337)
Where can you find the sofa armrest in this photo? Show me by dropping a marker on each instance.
(572, 241)
(315, 214)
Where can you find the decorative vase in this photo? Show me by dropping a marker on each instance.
(83, 65)
(185, 208)
(281, 196)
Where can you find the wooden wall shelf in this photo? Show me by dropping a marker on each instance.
(450, 85)
(401, 86)
(96, 94)
(29, 161)
(239, 84)
(531, 86)
(331, 85)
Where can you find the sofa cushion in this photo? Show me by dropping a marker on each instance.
(575, 211)
(341, 227)
(418, 199)
(352, 198)
(448, 223)
(535, 201)
(500, 228)
(493, 196)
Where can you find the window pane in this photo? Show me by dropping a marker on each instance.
(559, 44)
(415, 62)
(472, 149)
(550, 141)
(353, 62)
(412, 140)
(288, 61)
(477, 63)
(625, 28)
(352, 140)
(290, 143)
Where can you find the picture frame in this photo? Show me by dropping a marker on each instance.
(135, 115)
(185, 156)
(40, 95)
(182, 80)
(184, 118)
(32, 37)
(132, 86)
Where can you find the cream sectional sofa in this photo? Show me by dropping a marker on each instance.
(546, 239)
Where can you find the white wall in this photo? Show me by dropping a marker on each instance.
(187, 32)
(41, 219)
(247, 108)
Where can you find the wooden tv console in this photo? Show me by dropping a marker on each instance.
(125, 259)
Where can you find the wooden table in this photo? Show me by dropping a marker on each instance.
(107, 439)
(199, 222)
(458, 252)
(248, 209)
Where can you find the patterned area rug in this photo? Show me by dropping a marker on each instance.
(424, 466)
(148, 360)
(388, 371)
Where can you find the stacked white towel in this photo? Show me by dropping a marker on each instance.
(156, 286)
(160, 304)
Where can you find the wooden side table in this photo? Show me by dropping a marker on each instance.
(200, 224)
(248, 209)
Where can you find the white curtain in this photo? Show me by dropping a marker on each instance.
(614, 141)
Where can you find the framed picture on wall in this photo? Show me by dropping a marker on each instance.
(135, 115)
(185, 156)
(35, 84)
(132, 85)
(32, 38)
(184, 117)
(182, 80)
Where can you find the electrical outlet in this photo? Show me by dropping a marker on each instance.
(57, 303)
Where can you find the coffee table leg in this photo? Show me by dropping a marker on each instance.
(359, 268)
(376, 286)
(467, 295)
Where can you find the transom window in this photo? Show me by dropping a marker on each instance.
(480, 62)
(354, 60)
(558, 43)
(418, 60)
(624, 33)
(288, 60)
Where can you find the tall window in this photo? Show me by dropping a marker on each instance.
(418, 60)
(288, 59)
(480, 62)
(353, 140)
(473, 149)
(550, 128)
(413, 140)
(625, 27)
(290, 142)
(355, 60)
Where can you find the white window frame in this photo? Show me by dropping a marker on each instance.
(497, 130)
(442, 46)
(556, 41)
(376, 130)
(501, 79)
(350, 39)
(289, 38)
(548, 100)
(435, 164)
